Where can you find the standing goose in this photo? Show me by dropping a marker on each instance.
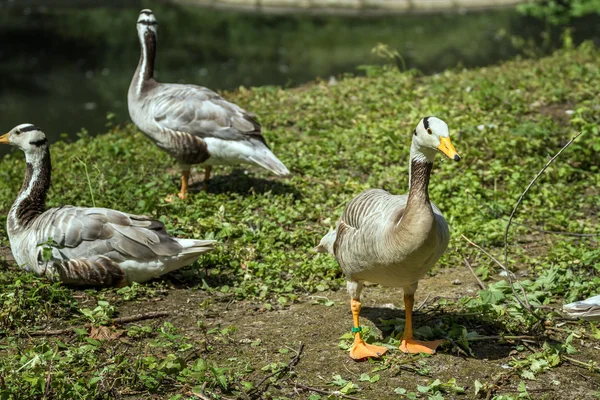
(394, 240)
(192, 123)
(88, 246)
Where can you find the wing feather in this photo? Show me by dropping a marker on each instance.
(202, 112)
(82, 233)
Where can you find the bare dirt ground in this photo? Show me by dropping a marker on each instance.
(261, 334)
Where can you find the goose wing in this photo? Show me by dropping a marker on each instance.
(202, 112)
(362, 225)
(78, 233)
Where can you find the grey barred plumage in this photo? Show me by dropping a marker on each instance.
(101, 271)
(394, 240)
(191, 123)
(86, 246)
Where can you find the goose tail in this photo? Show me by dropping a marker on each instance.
(192, 247)
(266, 159)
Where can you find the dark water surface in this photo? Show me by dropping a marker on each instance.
(65, 69)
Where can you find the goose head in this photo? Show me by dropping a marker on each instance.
(430, 136)
(146, 24)
(26, 137)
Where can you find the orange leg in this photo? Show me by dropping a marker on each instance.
(409, 344)
(360, 349)
(185, 177)
(207, 171)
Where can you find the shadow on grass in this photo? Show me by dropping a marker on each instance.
(191, 277)
(238, 182)
(438, 320)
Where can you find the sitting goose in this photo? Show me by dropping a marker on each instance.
(394, 240)
(192, 123)
(85, 246)
(588, 309)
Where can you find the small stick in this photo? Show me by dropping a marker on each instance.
(55, 332)
(588, 378)
(199, 395)
(468, 264)
(423, 302)
(325, 392)
(48, 379)
(120, 320)
(140, 317)
(512, 214)
(582, 364)
(285, 368)
(507, 337)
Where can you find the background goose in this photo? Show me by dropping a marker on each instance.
(192, 123)
(588, 309)
(90, 246)
(394, 240)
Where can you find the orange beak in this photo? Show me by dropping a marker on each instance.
(4, 139)
(448, 149)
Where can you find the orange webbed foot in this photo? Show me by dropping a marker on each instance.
(412, 346)
(360, 350)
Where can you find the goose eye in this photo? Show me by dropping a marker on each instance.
(429, 131)
(17, 132)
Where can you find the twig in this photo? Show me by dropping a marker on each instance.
(423, 302)
(55, 332)
(48, 378)
(540, 390)
(140, 317)
(512, 214)
(120, 320)
(204, 397)
(588, 366)
(531, 349)
(290, 365)
(495, 385)
(500, 337)
(468, 264)
(199, 395)
(588, 378)
(510, 275)
(325, 392)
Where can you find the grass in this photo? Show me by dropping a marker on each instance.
(238, 315)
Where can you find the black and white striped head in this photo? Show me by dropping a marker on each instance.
(430, 135)
(26, 137)
(146, 23)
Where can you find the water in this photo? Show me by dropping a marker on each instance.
(65, 69)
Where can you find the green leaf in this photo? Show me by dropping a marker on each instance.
(491, 296)
(478, 386)
(423, 389)
(348, 388)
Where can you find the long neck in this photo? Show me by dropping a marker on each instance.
(420, 171)
(145, 69)
(418, 214)
(31, 200)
